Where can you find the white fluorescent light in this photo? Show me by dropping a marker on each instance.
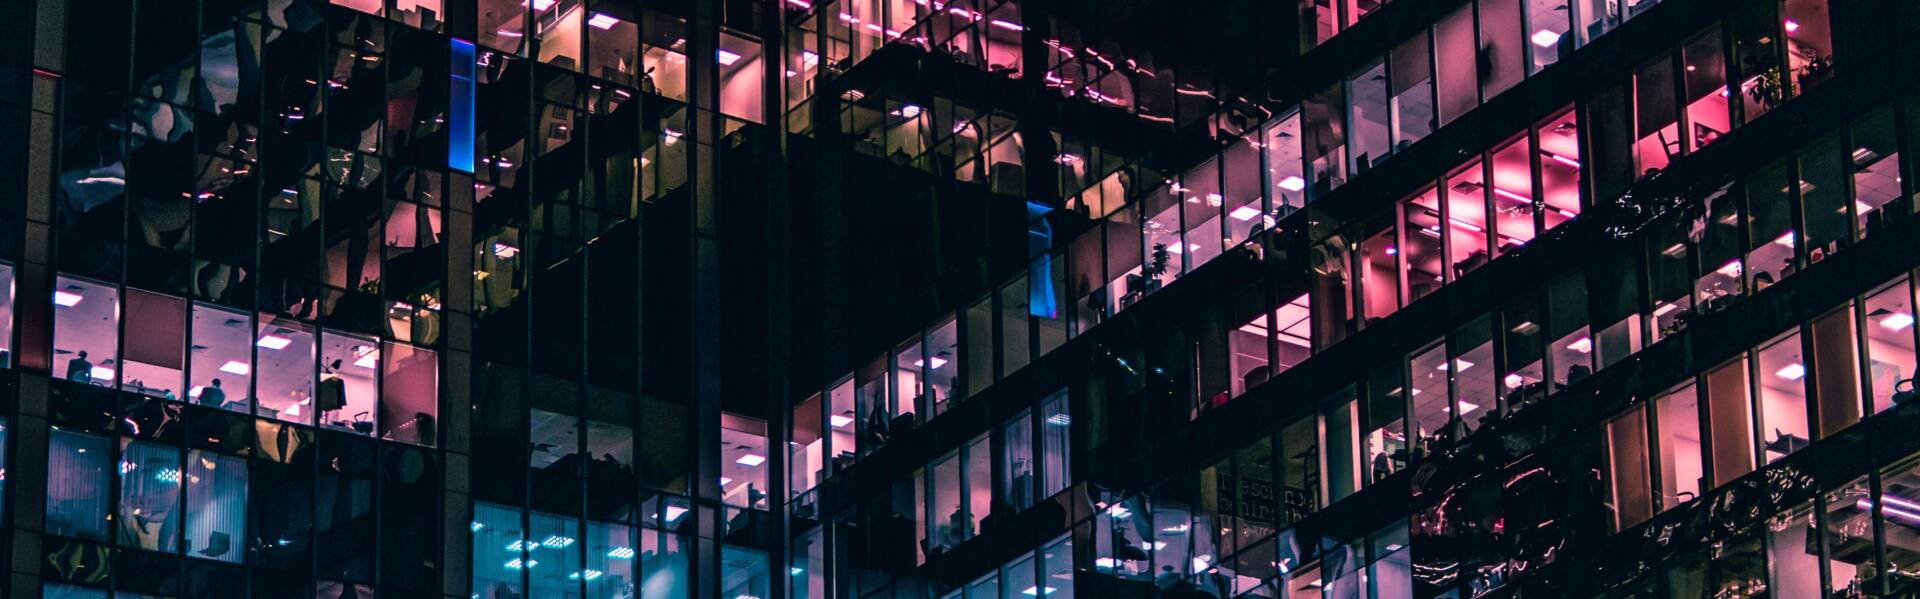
(750, 460)
(937, 363)
(1464, 365)
(1791, 372)
(367, 361)
(1582, 345)
(1470, 226)
(1731, 268)
(674, 512)
(602, 21)
(1512, 196)
(102, 373)
(1664, 309)
(839, 421)
(1514, 381)
(1007, 25)
(728, 58)
(504, 251)
(1784, 240)
(1244, 213)
(66, 299)
(235, 367)
(724, 481)
(1545, 39)
(1468, 408)
(540, 5)
(621, 553)
(1292, 183)
(1563, 159)
(1792, 25)
(1897, 321)
(275, 342)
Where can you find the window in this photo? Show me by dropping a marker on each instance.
(1705, 77)
(1410, 71)
(1056, 444)
(1771, 239)
(286, 352)
(743, 461)
(1456, 56)
(1502, 50)
(6, 315)
(1627, 469)
(349, 386)
(946, 521)
(1325, 143)
(1757, 60)
(1782, 396)
(979, 473)
(1677, 423)
(1809, 42)
(1015, 340)
(1511, 196)
(805, 461)
(842, 422)
(870, 403)
(1475, 392)
(1385, 412)
(1248, 363)
(1430, 410)
(741, 77)
(216, 506)
(410, 392)
(1286, 174)
(148, 516)
(942, 368)
(1016, 462)
(1835, 369)
(1547, 33)
(1368, 139)
(1729, 419)
(1200, 194)
(1466, 216)
(1559, 147)
(1874, 162)
(978, 344)
(221, 365)
(1793, 553)
(909, 366)
(1668, 255)
(1823, 197)
(1656, 123)
(1299, 469)
(1890, 346)
(1570, 357)
(77, 468)
(1420, 252)
(1339, 441)
(86, 330)
(1379, 272)
(155, 364)
(1720, 279)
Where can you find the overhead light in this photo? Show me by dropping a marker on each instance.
(1731, 268)
(839, 421)
(1293, 183)
(1514, 381)
(101, 373)
(1468, 408)
(274, 342)
(674, 512)
(1119, 511)
(1106, 563)
(1526, 327)
(504, 251)
(936, 360)
(728, 58)
(1792, 25)
(1469, 226)
(587, 574)
(66, 299)
(1675, 251)
(1562, 159)
(517, 564)
(750, 460)
(808, 58)
(1512, 196)
(1393, 251)
(1007, 25)
(724, 481)
(1060, 420)
(907, 111)
(1897, 321)
(235, 367)
(557, 542)
(602, 21)
(1791, 372)
(367, 360)
(1664, 308)
(1583, 345)
(621, 553)
(1784, 240)
(540, 5)
(1464, 365)
(1244, 213)
(1545, 39)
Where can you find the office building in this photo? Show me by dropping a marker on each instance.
(968, 299)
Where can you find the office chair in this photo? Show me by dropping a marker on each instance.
(218, 544)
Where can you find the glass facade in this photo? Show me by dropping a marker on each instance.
(508, 299)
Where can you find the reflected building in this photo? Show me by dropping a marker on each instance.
(963, 299)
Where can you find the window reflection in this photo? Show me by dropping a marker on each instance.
(86, 331)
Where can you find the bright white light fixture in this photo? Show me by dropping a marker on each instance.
(557, 541)
(1897, 321)
(674, 512)
(1582, 345)
(1468, 408)
(621, 553)
(602, 21)
(235, 367)
(839, 421)
(1292, 183)
(66, 299)
(1545, 39)
(101, 373)
(751, 460)
(275, 342)
(1514, 381)
(937, 363)
(728, 58)
(540, 5)
(1792, 25)
(1791, 372)
(1731, 268)
(504, 251)
(1007, 25)
(1244, 213)
(1784, 240)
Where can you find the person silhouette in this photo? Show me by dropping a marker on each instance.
(79, 369)
(213, 395)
